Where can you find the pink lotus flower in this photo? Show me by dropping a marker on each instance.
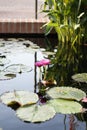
(42, 62)
(39, 64)
(84, 100)
(46, 61)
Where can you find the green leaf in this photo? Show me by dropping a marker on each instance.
(81, 77)
(65, 106)
(81, 15)
(66, 93)
(48, 30)
(34, 113)
(6, 75)
(18, 68)
(76, 26)
(21, 97)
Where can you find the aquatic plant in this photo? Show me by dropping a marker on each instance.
(31, 110)
(80, 77)
(42, 63)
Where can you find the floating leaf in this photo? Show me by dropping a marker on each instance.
(21, 97)
(18, 68)
(81, 77)
(1, 68)
(2, 44)
(34, 46)
(2, 56)
(65, 106)
(6, 75)
(3, 61)
(48, 53)
(36, 113)
(20, 39)
(66, 93)
(12, 39)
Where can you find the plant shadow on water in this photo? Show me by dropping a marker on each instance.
(22, 52)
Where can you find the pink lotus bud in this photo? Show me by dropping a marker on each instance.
(46, 61)
(42, 62)
(39, 64)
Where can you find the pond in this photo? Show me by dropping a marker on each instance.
(22, 51)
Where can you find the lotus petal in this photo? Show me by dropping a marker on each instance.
(35, 113)
(66, 93)
(21, 97)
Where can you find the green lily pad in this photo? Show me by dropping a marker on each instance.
(36, 113)
(65, 106)
(6, 75)
(21, 97)
(66, 93)
(18, 68)
(81, 77)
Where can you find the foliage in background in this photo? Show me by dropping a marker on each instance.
(65, 17)
(68, 18)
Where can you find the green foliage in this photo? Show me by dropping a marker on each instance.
(68, 18)
(64, 18)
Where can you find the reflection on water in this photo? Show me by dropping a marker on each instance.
(67, 62)
(18, 51)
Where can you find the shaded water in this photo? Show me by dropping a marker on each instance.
(26, 81)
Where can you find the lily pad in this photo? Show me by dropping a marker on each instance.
(3, 61)
(66, 93)
(6, 75)
(36, 113)
(65, 106)
(18, 68)
(12, 39)
(21, 97)
(81, 77)
(48, 53)
(34, 46)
